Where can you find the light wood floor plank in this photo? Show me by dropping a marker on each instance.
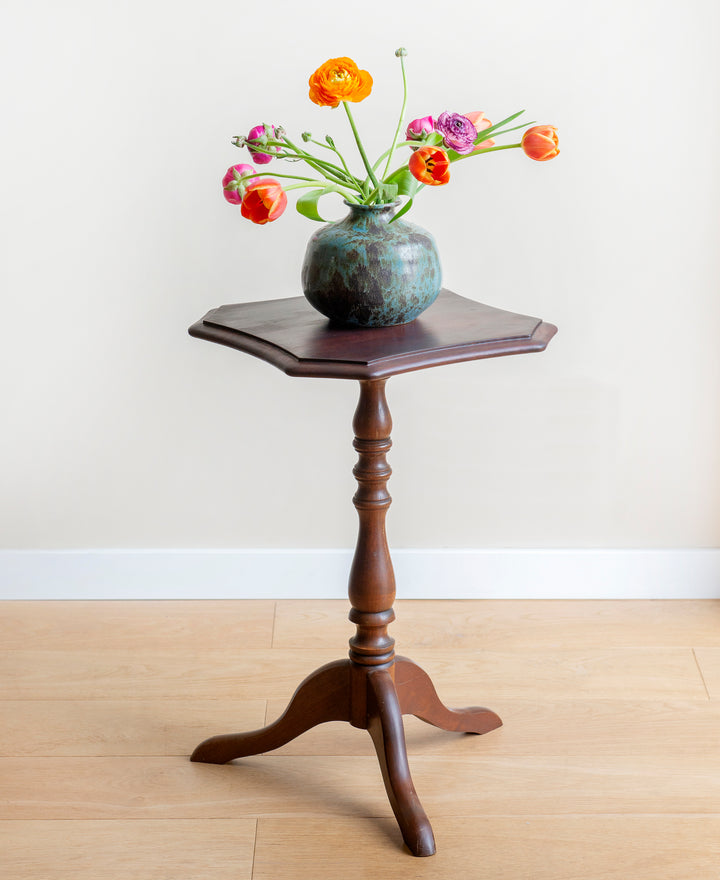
(119, 727)
(540, 727)
(130, 626)
(507, 848)
(106, 728)
(220, 849)
(273, 785)
(608, 765)
(460, 676)
(511, 625)
(708, 660)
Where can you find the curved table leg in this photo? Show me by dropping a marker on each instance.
(386, 729)
(322, 696)
(417, 696)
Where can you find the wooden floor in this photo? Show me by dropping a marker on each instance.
(607, 766)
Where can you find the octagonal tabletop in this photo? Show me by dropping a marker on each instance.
(292, 336)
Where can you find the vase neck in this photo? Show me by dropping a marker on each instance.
(371, 215)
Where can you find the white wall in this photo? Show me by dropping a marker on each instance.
(122, 432)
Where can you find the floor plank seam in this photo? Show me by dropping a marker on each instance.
(702, 677)
(255, 838)
(274, 622)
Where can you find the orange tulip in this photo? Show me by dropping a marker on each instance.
(540, 142)
(264, 201)
(477, 117)
(339, 79)
(430, 165)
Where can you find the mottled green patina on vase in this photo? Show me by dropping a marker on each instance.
(366, 271)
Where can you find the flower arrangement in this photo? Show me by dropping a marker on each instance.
(434, 144)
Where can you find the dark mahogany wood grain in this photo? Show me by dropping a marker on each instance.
(373, 688)
(322, 696)
(417, 696)
(385, 726)
(292, 336)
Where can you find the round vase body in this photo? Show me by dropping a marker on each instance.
(366, 271)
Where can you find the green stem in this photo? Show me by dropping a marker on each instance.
(366, 162)
(388, 153)
(487, 150)
(402, 117)
(347, 195)
(337, 153)
(310, 180)
(325, 168)
(459, 158)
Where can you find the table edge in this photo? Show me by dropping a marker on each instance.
(390, 366)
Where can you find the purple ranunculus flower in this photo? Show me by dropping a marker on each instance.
(458, 132)
(258, 132)
(418, 128)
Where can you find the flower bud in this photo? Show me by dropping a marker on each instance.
(233, 187)
(418, 128)
(401, 53)
(540, 143)
(306, 136)
(258, 136)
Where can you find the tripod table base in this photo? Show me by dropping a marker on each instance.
(372, 698)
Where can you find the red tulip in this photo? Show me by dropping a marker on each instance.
(540, 142)
(264, 200)
(430, 165)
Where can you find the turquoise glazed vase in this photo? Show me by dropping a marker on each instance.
(366, 271)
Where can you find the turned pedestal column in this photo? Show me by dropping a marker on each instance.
(373, 688)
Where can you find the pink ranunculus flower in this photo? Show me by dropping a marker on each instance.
(477, 117)
(418, 128)
(233, 187)
(255, 134)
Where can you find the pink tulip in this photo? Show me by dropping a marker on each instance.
(418, 128)
(477, 117)
(233, 188)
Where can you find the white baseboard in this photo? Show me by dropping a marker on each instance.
(322, 574)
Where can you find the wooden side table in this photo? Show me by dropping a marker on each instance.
(373, 688)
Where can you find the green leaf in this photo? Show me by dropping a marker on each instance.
(489, 132)
(406, 184)
(387, 192)
(405, 208)
(307, 203)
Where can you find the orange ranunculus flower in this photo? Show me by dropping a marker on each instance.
(541, 142)
(339, 79)
(264, 200)
(430, 165)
